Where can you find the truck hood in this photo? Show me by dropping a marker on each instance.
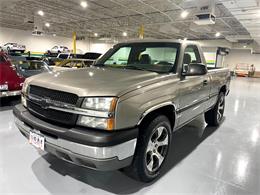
(95, 81)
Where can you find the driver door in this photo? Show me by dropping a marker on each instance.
(192, 92)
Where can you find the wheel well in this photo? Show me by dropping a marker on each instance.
(168, 111)
(223, 89)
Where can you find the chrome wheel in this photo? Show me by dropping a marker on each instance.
(221, 106)
(157, 149)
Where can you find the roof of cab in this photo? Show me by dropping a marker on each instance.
(159, 41)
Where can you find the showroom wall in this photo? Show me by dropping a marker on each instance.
(46, 42)
(237, 56)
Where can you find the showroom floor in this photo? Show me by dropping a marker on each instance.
(204, 160)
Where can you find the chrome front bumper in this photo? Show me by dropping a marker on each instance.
(98, 158)
(9, 93)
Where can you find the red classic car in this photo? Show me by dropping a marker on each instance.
(10, 81)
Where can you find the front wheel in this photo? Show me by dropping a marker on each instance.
(152, 149)
(214, 116)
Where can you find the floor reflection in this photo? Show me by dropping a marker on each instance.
(183, 143)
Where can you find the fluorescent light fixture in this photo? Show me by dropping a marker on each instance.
(245, 46)
(47, 24)
(84, 4)
(96, 34)
(184, 14)
(125, 34)
(41, 13)
(217, 34)
(258, 13)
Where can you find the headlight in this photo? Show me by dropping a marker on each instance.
(100, 113)
(99, 103)
(4, 87)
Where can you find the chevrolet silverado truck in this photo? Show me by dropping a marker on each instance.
(121, 112)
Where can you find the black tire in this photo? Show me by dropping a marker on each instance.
(144, 156)
(214, 116)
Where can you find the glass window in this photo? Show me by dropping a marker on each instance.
(2, 59)
(191, 55)
(120, 57)
(63, 56)
(155, 57)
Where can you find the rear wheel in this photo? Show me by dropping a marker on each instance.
(214, 116)
(152, 149)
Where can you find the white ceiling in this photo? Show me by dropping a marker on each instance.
(109, 18)
(247, 12)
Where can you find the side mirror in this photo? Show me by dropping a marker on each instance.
(194, 70)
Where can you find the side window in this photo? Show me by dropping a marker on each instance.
(191, 55)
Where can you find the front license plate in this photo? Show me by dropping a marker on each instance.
(36, 140)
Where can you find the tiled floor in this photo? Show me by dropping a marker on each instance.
(224, 160)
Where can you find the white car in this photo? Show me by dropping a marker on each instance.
(12, 47)
(60, 49)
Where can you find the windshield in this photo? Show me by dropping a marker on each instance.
(32, 65)
(155, 57)
(63, 56)
(92, 56)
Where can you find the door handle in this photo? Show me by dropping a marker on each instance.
(205, 82)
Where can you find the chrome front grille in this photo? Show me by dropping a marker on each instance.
(41, 100)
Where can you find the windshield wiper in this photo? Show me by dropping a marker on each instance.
(135, 68)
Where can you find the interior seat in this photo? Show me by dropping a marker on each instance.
(145, 59)
(187, 58)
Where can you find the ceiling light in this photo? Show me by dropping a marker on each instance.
(245, 46)
(125, 34)
(96, 34)
(83, 4)
(41, 13)
(47, 24)
(258, 13)
(217, 34)
(54, 35)
(184, 14)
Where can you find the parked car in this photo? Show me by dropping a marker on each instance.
(123, 111)
(242, 70)
(30, 68)
(69, 55)
(92, 55)
(71, 63)
(10, 81)
(59, 49)
(13, 47)
(52, 61)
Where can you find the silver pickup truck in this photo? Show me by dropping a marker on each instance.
(121, 112)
